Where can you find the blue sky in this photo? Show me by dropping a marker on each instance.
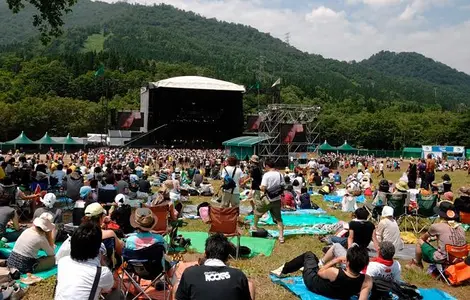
(353, 29)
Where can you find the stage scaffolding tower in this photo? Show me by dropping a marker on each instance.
(272, 119)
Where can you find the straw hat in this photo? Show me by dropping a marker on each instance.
(402, 186)
(254, 158)
(143, 219)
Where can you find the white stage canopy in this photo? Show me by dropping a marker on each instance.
(197, 83)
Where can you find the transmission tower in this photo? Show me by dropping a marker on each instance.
(287, 38)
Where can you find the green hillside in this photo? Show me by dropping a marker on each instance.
(387, 101)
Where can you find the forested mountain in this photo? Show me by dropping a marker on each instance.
(387, 101)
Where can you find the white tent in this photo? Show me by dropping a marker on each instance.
(197, 83)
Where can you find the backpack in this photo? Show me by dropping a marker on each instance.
(384, 289)
(229, 183)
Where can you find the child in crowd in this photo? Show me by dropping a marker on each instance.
(413, 193)
(304, 202)
(287, 199)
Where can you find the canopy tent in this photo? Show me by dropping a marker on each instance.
(70, 141)
(22, 139)
(46, 140)
(244, 146)
(197, 83)
(346, 148)
(409, 152)
(325, 147)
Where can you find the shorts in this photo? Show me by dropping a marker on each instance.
(230, 200)
(428, 253)
(263, 205)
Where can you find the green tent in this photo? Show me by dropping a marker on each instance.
(409, 152)
(346, 147)
(325, 147)
(22, 139)
(70, 141)
(46, 140)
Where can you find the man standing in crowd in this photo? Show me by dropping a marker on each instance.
(231, 196)
(272, 185)
(256, 177)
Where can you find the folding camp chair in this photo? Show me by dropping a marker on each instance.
(425, 215)
(161, 212)
(464, 217)
(145, 264)
(399, 205)
(106, 196)
(454, 255)
(225, 220)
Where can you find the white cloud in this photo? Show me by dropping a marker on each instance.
(324, 14)
(375, 2)
(336, 32)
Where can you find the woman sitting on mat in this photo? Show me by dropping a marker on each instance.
(40, 236)
(329, 281)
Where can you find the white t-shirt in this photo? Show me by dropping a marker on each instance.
(75, 279)
(381, 166)
(228, 170)
(388, 231)
(298, 189)
(270, 179)
(376, 269)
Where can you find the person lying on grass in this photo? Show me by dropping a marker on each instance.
(329, 281)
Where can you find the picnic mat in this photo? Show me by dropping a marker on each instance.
(338, 199)
(304, 212)
(5, 252)
(299, 231)
(296, 220)
(257, 245)
(297, 287)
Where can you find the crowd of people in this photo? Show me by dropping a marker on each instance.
(101, 184)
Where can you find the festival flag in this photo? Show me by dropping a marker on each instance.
(278, 82)
(100, 71)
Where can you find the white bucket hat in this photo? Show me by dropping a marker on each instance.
(44, 221)
(387, 211)
(49, 200)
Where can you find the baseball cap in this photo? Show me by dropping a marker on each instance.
(94, 209)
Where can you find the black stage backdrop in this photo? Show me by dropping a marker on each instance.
(195, 118)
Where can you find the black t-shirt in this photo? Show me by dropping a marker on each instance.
(363, 231)
(144, 186)
(213, 283)
(256, 177)
(317, 180)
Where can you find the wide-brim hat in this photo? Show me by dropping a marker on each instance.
(44, 221)
(143, 219)
(446, 211)
(75, 175)
(254, 158)
(402, 186)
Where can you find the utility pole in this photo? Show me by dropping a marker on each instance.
(287, 38)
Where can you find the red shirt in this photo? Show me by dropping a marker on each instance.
(287, 199)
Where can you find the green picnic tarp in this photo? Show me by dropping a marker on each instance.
(257, 245)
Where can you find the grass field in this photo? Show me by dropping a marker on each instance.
(257, 269)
